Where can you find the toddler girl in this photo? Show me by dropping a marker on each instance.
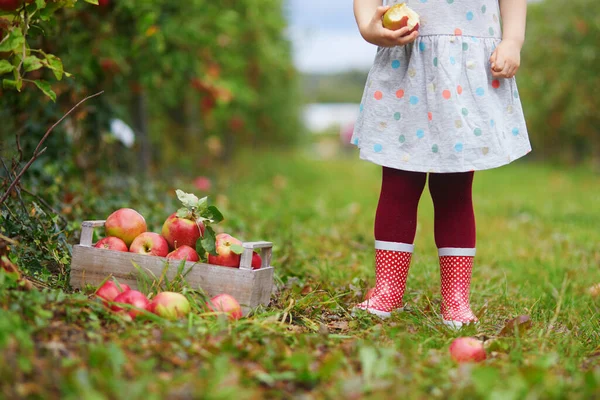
(440, 101)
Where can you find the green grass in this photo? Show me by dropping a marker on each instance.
(538, 253)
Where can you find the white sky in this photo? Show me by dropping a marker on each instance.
(325, 37)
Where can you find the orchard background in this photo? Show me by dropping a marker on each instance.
(210, 90)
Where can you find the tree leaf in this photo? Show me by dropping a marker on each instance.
(187, 199)
(14, 41)
(521, 323)
(5, 67)
(184, 213)
(213, 214)
(209, 241)
(201, 251)
(32, 63)
(56, 65)
(94, 2)
(237, 249)
(45, 87)
(12, 84)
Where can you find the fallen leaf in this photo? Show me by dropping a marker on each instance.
(522, 323)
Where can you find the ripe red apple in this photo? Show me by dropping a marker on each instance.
(203, 183)
(227, 304)
(150, 243)
(126, 224)
(256, 261)
(111, 243)
(169, 305)
(110, 290)
(225, 257)
(467, 349)
(182, 231)
(103, 3)
(184, 253)
(11, 5)
(399, 16)
(134, 298)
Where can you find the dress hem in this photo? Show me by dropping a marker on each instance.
(490, 164)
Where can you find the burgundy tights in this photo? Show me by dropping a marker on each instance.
(396, 218)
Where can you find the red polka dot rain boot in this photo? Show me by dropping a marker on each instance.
(392, 261)
(456, 266)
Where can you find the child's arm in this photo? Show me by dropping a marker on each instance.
(505, 60)
(368, 14)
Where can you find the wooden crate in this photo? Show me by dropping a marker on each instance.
(250, 287)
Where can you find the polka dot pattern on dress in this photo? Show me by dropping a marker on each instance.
(455, 273)
(391, 272)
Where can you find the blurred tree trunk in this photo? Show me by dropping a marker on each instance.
(140, 126)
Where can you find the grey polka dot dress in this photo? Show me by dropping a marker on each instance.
(433, 105)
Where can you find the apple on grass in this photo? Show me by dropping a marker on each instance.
(184, 253)
(228, 249)
(111, 243)
(182, 231)
(132, 298)
(467, 349)
(169, 305)
(226, 304)
(109, 290)
(151, 244)
(399, 16)
(126, 224)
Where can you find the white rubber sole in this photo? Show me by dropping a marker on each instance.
(457, 324)
(378, 313)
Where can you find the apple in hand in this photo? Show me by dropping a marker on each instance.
(226, 257)
(227, 304)
(169, 305)
(467, 349)
(184, 253)
(150, 243)
(182, 231)
(111, 243)
(133, 298)
(256, 261)
(110, 290)
(399, 16)
(126, 224)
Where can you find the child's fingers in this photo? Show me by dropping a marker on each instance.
(404, 40)
(380, 11)
(493, 59)
(397, 34)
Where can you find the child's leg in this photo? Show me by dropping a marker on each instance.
(455, 239)
(395, 227)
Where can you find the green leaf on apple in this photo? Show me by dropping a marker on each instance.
(237, 249)
(187, 199)
(213, 214)
(184, 213)
(209, 241)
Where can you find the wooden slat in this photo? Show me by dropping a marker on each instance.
(250, 287)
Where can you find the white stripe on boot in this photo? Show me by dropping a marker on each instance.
(456, 266)
(392, 261)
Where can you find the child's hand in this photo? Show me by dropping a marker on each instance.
(505, 60)
(375, 33)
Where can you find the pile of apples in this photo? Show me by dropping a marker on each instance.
(182, 233)
(169, 305)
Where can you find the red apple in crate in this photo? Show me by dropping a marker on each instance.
(133, 298)
(150, 243)
(467, 349)
(182, 231)
(184, 253)
(111, 243)
(110, 290)
(227, 304)
(399, 16)
(226, 256)
(169, 305)
(256, 261)
(126, 224)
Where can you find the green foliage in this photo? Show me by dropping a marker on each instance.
(558, 81)
(537, 256)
